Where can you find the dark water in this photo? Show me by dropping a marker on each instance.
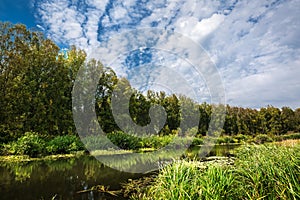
(63, 178)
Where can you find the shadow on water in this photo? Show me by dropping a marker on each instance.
(61, 178)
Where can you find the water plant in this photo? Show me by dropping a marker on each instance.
(259, 172)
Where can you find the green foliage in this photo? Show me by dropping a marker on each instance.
(64, 144)
(96, 143)
(240, 138)
(30, 144)
(157, 142)
(36, 82)
(125, 141)
(197, 141)
(186, 180)
(33, 145)
(268, 172)
(226, 140)
(259, 172)
(262, 138)
(291, 136)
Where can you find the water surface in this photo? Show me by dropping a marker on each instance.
(62, 178)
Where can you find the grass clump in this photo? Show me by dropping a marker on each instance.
(259, 172)
(268, 172)
(187, 180)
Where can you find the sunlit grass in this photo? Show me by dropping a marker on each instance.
(270, 172)
(289, 143)
(259, 172)
(190, 180)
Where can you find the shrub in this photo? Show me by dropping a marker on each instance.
(191, 131)
(292, 136)
(96, 143)
(125, 141)
(30, 144)
(157, 142)
(226, 140)
(261, 138)
(64, 144)
(241, 138)
(197, 141)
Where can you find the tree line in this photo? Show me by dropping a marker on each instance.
(37, 78)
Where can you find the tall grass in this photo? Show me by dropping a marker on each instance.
(259, 172)
(269, 172)
(188, 180)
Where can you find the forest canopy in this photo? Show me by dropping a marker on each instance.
(37, 78)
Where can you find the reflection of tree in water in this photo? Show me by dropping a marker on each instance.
(22, 173)
(64, 177)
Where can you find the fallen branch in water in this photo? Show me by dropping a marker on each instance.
(103, 189)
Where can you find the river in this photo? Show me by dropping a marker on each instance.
(64, 177)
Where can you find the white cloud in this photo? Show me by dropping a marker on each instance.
(198, 30)
(255, 44)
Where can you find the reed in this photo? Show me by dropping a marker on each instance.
(259, 172)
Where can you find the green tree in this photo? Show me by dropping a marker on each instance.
(36, 81)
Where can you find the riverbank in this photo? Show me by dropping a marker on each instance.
(252, 172)
(189, 153)
(26, 158)
(259, 172)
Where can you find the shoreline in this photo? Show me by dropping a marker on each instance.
(26, 158)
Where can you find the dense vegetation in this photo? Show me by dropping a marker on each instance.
(259, 172)
(36, 81)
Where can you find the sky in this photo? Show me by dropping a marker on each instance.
(246, 53)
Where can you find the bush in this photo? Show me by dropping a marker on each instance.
(292, 136)
(241, 138)
(226, 140)
(64, 144)
(125, 141)
(261, 138)
(129, 142)
(157, 142)
(197, 141)
(96, 143)
(30, 144)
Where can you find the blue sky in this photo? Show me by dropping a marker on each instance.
(255, 45)
(17, 11)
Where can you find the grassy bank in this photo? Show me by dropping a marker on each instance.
(34, 145)
(26, 158)
(259, 172)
